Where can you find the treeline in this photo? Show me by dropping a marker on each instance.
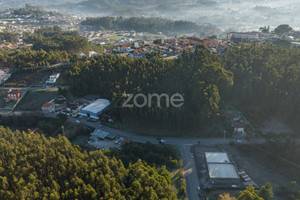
(153, 154)
(250, 193)
(142, 24)
(23, 58)
(197, 76)
(33, 167)
(141, 7)
(266, 81)
(55, 39)
(33, 12)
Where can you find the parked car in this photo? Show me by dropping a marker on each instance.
(162, 141)
(77, 121)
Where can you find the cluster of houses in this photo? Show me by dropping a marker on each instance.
(114, 38)
(237, 37)
(14, 45)
(80, 107)
(26, 19)
(170, 48)
(59, 104)
(235, 120)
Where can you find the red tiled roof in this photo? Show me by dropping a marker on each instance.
(47, 105)
(14, 92)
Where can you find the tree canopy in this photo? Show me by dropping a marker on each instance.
(54, 38)
(198, 76)
(33, 167)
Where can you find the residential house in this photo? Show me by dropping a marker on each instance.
(124, 48)
(53, 78)
(4, 70)
(238, 127)
(92, 53)
(13, 95)
(48, 107)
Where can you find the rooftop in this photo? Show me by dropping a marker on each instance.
(222, 170)
(238, 125)
(216, 157)
(97, 106)
(47, 105)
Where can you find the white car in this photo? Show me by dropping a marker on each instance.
(77, 121)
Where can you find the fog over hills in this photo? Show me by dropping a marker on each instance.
(227, 14)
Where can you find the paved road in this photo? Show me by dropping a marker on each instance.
(190, 170)
(189, 165)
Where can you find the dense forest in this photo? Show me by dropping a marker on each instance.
(33, 12)
(54, 38)
(266, 81)
(198, 77)
(33, 167)
(151, 25)
(153, 154)
(261, 80)
(25, 58)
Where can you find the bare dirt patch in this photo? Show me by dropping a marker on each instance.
(255, 167)
(275, 126)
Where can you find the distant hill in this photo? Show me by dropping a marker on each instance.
(5, 4)
(103, 4)
(133, 7)
(151, 25)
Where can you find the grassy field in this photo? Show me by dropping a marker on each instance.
(34, 100)
(10, 104)
(36, 78)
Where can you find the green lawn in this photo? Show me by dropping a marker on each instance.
(34, 100)
(10, 104)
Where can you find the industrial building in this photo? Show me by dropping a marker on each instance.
(95, 109)
(221, 171)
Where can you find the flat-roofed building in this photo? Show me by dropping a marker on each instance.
(220, 170)
(95, 109)
(216, 157)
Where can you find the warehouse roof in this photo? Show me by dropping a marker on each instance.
(216, 157)
(97, 106)
(99, 134)
(222, 170)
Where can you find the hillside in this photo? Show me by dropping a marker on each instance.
(33, 167)
(151, 25)
(131, 8)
